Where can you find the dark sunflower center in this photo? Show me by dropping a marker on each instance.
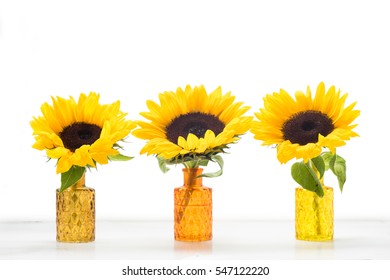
(304, 127)
(78, 134)
(195, 123)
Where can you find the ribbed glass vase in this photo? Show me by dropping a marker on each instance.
(76, 213)
(314, 215)
(193, 220)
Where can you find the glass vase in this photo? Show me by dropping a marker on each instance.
(314, 215)
(76, 213)
(193, 219)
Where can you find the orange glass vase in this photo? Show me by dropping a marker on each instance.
(193, 220)
(76, 213)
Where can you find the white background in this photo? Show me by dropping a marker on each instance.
(133, 50)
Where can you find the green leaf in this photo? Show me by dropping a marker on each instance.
(327, 156)
(162, 164)
(119, 157)
(203, 162)
(116, 145)
(305, 176)
(319, 164)
(218, 159)
(70, 177)
(339, 168)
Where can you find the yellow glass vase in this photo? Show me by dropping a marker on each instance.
(314, 215)
(76, 213)
(193, 218)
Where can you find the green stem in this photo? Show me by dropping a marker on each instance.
(316, 174)
(316, 198)
(191, 164)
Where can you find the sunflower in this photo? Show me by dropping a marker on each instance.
(301, 127)
(189, 126)
(82, 133)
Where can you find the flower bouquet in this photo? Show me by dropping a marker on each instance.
(192, 128)
(79, 135)
(302, 128)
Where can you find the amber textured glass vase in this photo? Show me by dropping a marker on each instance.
(76, 213)
(193, 208)
(314, 215)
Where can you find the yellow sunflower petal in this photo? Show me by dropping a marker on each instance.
(82, 156)
(308, 151)
(101, 150)
(182, 143)
(286, 151)
(209, 137)
(192, 141)
(319, 97)
(64, 164)
(305, 101)
(57, 152)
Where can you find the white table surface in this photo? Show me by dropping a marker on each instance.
(273, 240)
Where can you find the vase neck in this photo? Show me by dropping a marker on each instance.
(191, 178)
(80, 183)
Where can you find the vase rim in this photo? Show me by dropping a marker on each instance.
(300, 188)
(196, 168)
